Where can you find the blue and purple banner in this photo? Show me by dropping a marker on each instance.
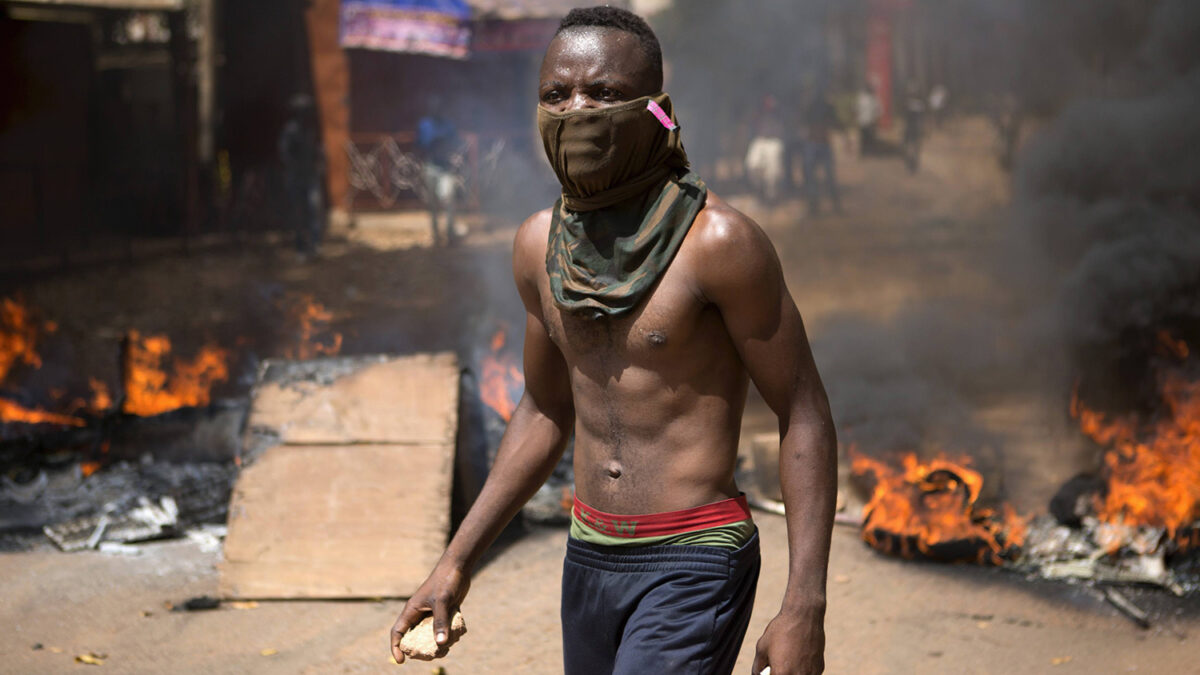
(433, 27)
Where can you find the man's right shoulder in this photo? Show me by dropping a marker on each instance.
(533, 234)
(529, 245)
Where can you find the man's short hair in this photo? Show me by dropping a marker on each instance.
(618, 19)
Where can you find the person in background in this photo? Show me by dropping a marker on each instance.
(866, 114)
(303, 174)
(765, 161)
(914, 116)
(820, 122)
(438, 142)
(938, 98)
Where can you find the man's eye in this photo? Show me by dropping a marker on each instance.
(609, 94)
(552, 97)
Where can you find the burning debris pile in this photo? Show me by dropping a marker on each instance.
(1126, 523)
(20, 332)
(497, 382)
(148, 387)
(1143, 509)
(931, 509)
(1106, 248)
(310, 320)
(1110, 226)
(501, 381)
(127, 502)
(151, 457)
(53, 455)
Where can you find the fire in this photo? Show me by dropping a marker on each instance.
(499, 377)
(18, 336)
(932, 506)
(14, 412)
(149, 390)
(312, 320)
(101, 398)
(1171, 346)
(1152, 465)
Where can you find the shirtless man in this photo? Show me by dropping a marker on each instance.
(650, 304)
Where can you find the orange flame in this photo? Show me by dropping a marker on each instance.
(18, 337)
(19, 334)
(500, 375)
(149, 390)
(14, 412)
(312, 320)
(928, 504)
(101, 398)
(1171, 346)
(1152, 466)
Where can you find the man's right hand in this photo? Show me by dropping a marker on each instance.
(442, 594)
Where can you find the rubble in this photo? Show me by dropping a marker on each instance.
(144, 521)
(1126, 607)
(1093, 553)
(122, 503)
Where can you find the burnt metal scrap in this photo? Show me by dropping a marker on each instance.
(1101, 553)
(145, 521)
(125, 502)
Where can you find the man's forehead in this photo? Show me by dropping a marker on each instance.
(594, 37)
(595, 48)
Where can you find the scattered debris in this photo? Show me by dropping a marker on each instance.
(91, 658)
(1060, 660)
(757, 501)
(124, 502)
(199, 603)
(142, 522)
(1126, 607)
(1090, 553)
(117, 548)
(550, 505)
(208, 536)
(849, 519)
(243, 604)
(269, 652)
(37, 646)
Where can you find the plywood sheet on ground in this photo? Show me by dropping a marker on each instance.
(334, 511)
(405, 400)
(337, 521)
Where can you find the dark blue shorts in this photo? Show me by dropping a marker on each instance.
(656, 609)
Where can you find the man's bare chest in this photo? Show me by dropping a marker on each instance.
(665, 325)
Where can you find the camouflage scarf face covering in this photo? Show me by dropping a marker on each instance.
(604, 156)
(627, 204)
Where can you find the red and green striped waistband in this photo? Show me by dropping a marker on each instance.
(717, 514)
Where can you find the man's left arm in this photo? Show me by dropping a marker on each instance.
(745, 281)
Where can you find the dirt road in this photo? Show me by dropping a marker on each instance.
(885, 616)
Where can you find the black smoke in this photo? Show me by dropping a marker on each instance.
(1107, 200)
